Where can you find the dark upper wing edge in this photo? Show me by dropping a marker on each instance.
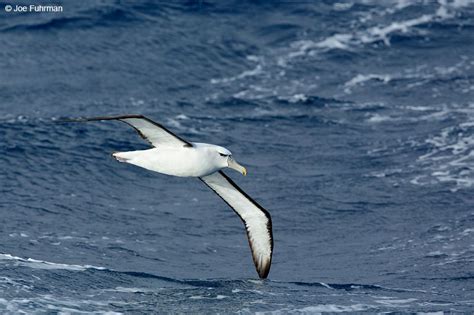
(121, 117)
(264, 273)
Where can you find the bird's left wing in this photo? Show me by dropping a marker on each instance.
(257, 220)
(149, 130)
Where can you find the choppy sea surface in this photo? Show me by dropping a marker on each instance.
(355, 121)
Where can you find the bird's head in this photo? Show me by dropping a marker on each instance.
(225, 159)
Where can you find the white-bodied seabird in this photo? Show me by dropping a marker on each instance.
(172, 155)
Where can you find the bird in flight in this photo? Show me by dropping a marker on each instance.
(172, 155)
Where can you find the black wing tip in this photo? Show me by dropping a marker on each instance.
(263, 272)
(264, 269)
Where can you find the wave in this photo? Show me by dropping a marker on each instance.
(42, 264)
(415, 77)
(349, 41)
(353, 287)
(451, 152)
(207, 283)
(442, 154)
(47, 265)
(323, 308)
(48, 304)
(286, 71)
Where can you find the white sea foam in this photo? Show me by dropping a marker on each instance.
(41, 264)
(448, 154)
(295, 98)
(276, 65)
(451, 156)
(319, 309)
(326, 285)
(303, 47)
(348, 41)
(48, 303)
(401, 4)
(377, 33)
(197, 297)
(419, 108)
(360, 79)
(176, 123)
(132, 290)
(467, 231)
(376, 118)
(342, 6)
(182, 117)
(136, 102)
(414, 77)
(395, 302)
(202, 297)
(247, 73)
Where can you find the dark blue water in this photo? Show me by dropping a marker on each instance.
(355, 121)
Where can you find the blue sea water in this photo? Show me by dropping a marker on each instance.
(355, 121)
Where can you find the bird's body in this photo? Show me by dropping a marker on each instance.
(172, 155)
(183, 161)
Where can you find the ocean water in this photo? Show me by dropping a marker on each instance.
(355, 121)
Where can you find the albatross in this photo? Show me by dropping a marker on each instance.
(172, 155)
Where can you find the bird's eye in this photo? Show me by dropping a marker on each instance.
(222, 154)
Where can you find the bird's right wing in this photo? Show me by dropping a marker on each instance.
(149, 130)
(257, 220)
